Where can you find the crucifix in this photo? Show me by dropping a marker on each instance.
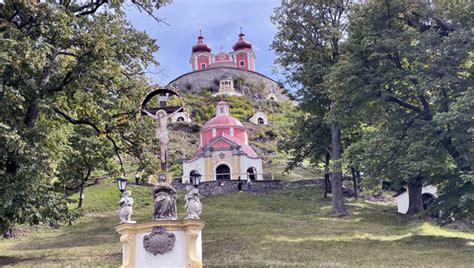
(161, 114)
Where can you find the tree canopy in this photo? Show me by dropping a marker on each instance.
(407, 76)
(64, 64)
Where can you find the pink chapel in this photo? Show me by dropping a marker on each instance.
(241, 56)
(224, 152)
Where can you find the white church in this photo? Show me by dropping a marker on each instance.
(224, 152)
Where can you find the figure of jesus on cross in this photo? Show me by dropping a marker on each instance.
(161, 118)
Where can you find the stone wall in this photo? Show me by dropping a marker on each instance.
(211, 188)
(255, 86)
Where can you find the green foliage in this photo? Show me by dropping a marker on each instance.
(308, 46)
(407, 78)
(66, 63)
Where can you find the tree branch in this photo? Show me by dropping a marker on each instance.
(426, 107)
(149, 12)
(87, 122)
(403, 104)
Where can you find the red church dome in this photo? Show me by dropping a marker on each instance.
(201, 45)
(223, 121)
(241, 43)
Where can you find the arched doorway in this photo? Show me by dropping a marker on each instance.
(251, 173)
(260, 121)
(222, 172)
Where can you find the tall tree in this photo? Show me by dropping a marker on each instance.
(63, 63)
(308, 45)
(414, 59)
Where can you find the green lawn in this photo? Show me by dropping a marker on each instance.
(285, 228)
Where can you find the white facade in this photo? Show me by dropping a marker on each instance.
(196, 164)
(181, 117)
(246, 163)
(403, 200)
(259, 118)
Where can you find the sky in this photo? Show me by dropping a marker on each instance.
(220, 22)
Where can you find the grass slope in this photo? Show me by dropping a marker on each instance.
(285, 228)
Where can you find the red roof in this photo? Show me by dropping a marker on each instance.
(223, 121)
(245, 148)
(241, 43)
(201, 45)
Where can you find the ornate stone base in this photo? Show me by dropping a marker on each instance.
(176, 244)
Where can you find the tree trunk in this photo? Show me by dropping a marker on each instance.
(31, 116)
(327, 186)
(415, 201)
(81, 195)
(354, 182)
(338, 207)
(81, 191)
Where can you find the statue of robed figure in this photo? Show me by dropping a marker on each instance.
(165, 200)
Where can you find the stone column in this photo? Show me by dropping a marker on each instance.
(236, 163)
(207, 176)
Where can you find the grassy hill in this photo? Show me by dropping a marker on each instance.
(288, 228)
(184, 137)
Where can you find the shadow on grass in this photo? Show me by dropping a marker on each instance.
(253, 266)
(87, 237)
(7, 260)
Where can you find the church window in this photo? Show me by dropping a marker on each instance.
(242, 63)
(203, 66)
(260, 121)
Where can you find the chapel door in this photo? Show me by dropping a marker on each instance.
(222, 172)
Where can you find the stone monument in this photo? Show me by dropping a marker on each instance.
(126, 210)
(165, 241)
(165, 200)
(193, 204)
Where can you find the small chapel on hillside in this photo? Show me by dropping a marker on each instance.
(224, 152)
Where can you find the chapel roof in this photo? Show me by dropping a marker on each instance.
(223, 121)
(201, 45)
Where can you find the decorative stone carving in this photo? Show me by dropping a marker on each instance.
(126, 210)
(193, 204)
(165, 202)
(159, 241)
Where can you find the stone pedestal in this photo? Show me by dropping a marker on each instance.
(170, 244)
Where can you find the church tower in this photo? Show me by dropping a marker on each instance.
(201, 54)
(243, 54)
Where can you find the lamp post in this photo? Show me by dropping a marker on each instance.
(195, 178)
(122, 184)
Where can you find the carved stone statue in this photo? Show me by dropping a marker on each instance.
(161, 118)
(165, 201)
(193, 204)
(126, 210)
